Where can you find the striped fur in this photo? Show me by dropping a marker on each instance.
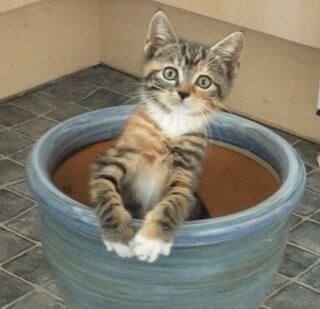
(153, 170)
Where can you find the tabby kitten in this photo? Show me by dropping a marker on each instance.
(153, 170)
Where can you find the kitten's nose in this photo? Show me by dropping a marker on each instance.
(183, 94)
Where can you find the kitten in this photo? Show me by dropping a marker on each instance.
(153, 170)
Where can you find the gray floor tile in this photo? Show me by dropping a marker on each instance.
(308, 168)
(11, 288)
(279, 281)
(294, 220)
(110, 79)
(67, 112)
(11, 115)
(22, 188)
(2, 128)
(22, 156)
(104, 98)
(27, 224)
(316, 217)
(52, 287)
(71, 89)
(11, 142)
(11, 205)
(296, 261)
(10, 171)
(40, 102)
(37, 301)
(307, 236)
(309, 203)
(30, 266)
(313, 181)
(36, 127)
(11, 245)
(308, 151)
(312, 277)
(294, 296)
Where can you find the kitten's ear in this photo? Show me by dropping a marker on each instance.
(230, 49)
(160, 33)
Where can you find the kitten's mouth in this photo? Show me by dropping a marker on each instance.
(186, 103)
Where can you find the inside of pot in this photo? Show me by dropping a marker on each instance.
(232, 180)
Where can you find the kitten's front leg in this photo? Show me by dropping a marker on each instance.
(114, 220)
(161, 224)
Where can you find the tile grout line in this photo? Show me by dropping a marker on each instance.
(4, 223)
(17, 193)
(22, 122)
(305, 218)
(33, 242)
(313, 191)
(10, 159)
(313, 168)
(37, 288)
(302, 248)
(308, 287)
(313, 220)
(128, 95)
(17, 256)
(70, 104)
(13, 182)
(41, 114)
(294, 279)
(54, 96)
(87, 108)
(11, 129)
(276, 291)
(22, 134)
(91, 93)
(37, 115)
(302, 273)
(74, 101)
(45, 114)
(21, 150)
(17, 300)
(44, 289)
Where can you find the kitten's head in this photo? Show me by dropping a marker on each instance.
(187, 77)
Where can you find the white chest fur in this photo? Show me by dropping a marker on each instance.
(177, 122)
(147, 186)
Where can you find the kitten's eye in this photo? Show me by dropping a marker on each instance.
(204, 81)
(170, 73)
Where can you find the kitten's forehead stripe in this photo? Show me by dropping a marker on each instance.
(191, 53)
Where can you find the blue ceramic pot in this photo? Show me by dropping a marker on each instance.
(223, 263)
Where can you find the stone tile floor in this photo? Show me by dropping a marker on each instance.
(25, 279)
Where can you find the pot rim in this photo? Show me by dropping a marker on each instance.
(233, 226)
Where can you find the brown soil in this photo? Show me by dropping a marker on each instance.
(231, 181)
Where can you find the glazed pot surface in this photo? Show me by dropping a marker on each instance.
(221, 263)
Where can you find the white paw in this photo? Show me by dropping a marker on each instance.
(150, 249)
(122, 250)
